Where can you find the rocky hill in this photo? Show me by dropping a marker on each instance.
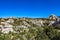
(9, 23)
(30, 28)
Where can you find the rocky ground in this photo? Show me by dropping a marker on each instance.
(21, 25)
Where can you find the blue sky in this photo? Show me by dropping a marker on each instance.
(29, 8)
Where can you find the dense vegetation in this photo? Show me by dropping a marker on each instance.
(33, 33)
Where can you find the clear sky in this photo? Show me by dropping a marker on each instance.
(29, 8)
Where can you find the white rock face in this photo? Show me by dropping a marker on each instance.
(2, 22)
(7, 27)
(33, 21)
(22, 26)
(10, 20)
(51, 22)
(25, 23)
(7, 30)
(52, 16)
(58, 20)
(39, 22)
